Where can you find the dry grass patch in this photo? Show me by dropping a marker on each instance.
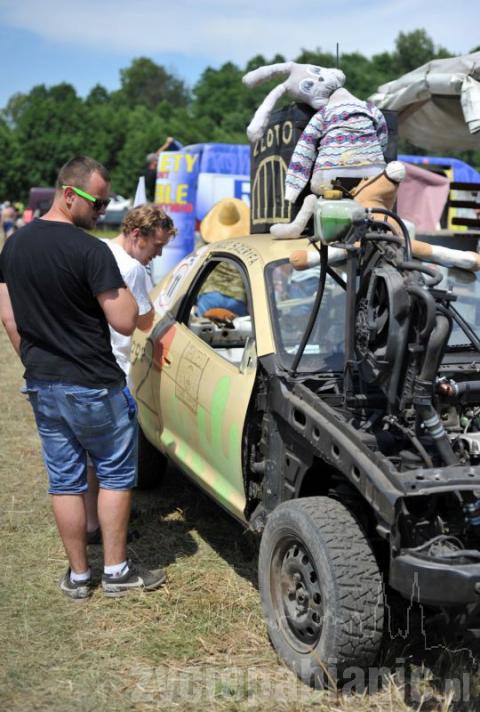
(199, 643)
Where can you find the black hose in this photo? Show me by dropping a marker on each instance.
(423, 391)
(383, 238)
(435, 276)
(470, 389)
(429, 302)
(402, 226)
(315, 308)
(434, 425)
(435, 348)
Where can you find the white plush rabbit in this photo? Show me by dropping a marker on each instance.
(344, 138)
(305, 83)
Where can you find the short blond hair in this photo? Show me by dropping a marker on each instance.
(147, 219)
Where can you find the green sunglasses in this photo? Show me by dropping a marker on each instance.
(97, 203)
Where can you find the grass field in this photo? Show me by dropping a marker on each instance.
(198, 644)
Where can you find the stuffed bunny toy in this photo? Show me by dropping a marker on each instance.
(346, 136)
(305, 83)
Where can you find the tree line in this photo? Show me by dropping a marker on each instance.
(40, 130)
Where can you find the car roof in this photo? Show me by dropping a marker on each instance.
(266, 247)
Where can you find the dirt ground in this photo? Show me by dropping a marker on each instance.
(199, 643)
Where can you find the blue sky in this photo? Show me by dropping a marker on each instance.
(88, 42)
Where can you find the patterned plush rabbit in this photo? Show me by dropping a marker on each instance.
(345, 138)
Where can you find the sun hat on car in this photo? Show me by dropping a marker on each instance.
(229, 217)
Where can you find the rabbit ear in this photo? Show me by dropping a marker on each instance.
(257, 76)
(258, 124)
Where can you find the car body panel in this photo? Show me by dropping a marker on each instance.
(192, 401)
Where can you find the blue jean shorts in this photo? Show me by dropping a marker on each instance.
(73, 420)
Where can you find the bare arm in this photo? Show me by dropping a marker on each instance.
(8, 318)
(120, 309)
(145, 321)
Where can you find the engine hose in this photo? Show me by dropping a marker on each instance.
(433, 424)
(401, 225)
(382, 237)
(435, 348)
(424, 390)
(315, 308)
(435, 276)
(430, 308)
(469, 389)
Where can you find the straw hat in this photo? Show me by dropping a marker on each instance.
(229, 217)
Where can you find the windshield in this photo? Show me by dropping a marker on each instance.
(292, 294)
(466, 286)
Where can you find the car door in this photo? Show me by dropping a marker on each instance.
(208, 371)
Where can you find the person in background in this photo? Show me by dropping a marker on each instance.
(146, 230)
(60, 289)
(8, 220)
(170, 144)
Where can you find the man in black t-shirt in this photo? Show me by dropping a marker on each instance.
(60, 288)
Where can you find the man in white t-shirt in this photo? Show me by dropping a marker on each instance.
(145, 231)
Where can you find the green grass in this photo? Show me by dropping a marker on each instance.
(199, 643)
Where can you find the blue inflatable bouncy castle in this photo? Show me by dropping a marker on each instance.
(189, 183)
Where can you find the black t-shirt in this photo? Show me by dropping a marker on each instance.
(54, 271)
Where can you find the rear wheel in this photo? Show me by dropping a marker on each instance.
(321, 590)
(152, 464)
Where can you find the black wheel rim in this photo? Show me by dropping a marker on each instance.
(297, 594)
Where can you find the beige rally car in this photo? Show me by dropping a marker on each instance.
(339, 418)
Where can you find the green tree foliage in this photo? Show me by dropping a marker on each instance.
(8, 174)
(42, 129)
(146, 83)
(48, 128)
(412, 49)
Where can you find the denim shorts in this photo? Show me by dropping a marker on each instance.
(73, 420)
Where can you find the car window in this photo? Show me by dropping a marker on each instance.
(291, 295)
(218, 310)
(465, 285)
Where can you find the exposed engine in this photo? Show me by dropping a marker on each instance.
(411, 405)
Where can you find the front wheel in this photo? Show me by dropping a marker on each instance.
(321, 590)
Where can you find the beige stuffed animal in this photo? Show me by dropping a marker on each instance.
(381, 192)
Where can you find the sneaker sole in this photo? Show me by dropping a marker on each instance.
(78, 596)
(112, 591)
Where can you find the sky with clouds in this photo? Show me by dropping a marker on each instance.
(88, 42)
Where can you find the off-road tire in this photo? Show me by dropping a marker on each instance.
(314, 546)
(152, 464)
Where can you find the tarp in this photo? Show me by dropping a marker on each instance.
(461, 172)
(438, 104)
(421, 197)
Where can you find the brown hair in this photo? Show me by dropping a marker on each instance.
(78, 170)
(148, 218)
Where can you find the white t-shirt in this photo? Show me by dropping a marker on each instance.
(138, 281)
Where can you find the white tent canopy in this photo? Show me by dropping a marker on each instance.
(438, 104)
